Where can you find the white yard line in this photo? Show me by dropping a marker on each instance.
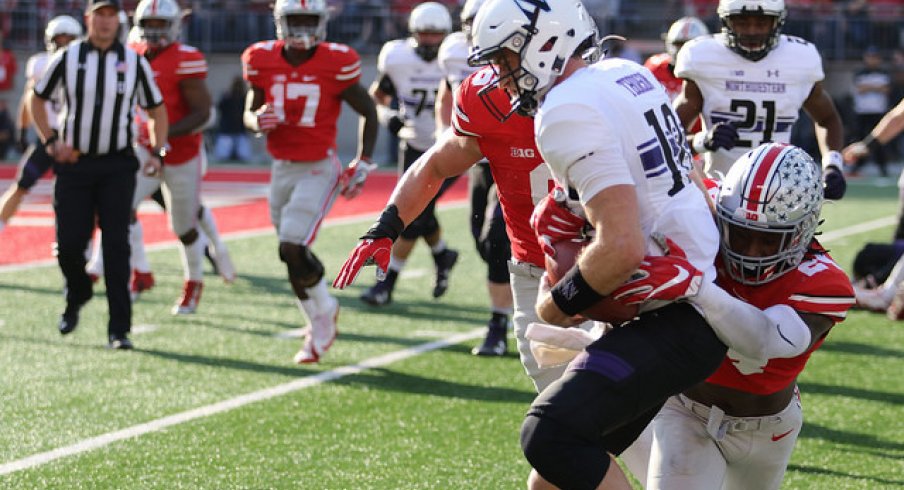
(233, 403)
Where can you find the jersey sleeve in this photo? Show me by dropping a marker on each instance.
(826, 289)
(580, 147)
(349, 65)
(191, 63)
(251, 62)
(686, 59)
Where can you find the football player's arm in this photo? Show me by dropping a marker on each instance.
(775, 332)
(891, 124)
(688, 104)
(197, 97)
(621, 248)
(827, 121)
(23, 118)
(361, 102)
(254, 100)
(451, 155)
(444, 101)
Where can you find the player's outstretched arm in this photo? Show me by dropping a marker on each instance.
(830, 136)
(450, 156)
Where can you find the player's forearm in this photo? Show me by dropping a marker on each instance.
(39, 116)
(158, 126)
(193, 122)
(368, 127)
(890, 125)
(754, 333)
(418, 185)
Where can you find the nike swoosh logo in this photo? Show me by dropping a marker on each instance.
(682, 275)
(777, 437)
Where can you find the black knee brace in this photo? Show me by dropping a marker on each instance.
(304, 267)
(189, 237)
(560, 457)
(495, 249)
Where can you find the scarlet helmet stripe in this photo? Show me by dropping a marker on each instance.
(764, 172)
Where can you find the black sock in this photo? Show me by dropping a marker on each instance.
(499, 319)
(390, 279)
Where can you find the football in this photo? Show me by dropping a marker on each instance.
(604, 310)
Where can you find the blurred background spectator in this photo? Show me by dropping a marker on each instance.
(232, 140)
(870, 94)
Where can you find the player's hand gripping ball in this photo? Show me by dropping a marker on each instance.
(604, 310)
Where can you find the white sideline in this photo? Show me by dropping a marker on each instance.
(239, 401)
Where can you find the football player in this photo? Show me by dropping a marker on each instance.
(663, 64)
(60, 31)
(298, 83)
(487, 223)
(409, 71)
(610, 136)
(738, 428)
(750, 82)
(180, 71)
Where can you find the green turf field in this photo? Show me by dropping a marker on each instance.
(213, 401)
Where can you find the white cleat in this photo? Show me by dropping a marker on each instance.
(320, 335)
(220, 255)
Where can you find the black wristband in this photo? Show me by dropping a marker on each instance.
(52, 139)
(572, 294)
(873, 144)
(388, 225)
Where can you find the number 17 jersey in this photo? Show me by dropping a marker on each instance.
(307, 98)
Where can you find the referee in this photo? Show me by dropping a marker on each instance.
(101, 81)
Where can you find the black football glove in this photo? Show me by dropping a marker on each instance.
(22, 140)
(395, 124)
(834, 183)
(721, 135)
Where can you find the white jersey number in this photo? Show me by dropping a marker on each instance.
(288, 92)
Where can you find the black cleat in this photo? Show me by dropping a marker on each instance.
(120, 342)
(380, 294)
(495, 343)
(444, 260)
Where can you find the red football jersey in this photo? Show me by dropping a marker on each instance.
(661, 66)
(307, 98)
(816, 286)
(520, 174)
(171, 65)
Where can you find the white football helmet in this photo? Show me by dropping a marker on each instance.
(429, 17)
(165, 10)
(544, 33)
(301, 37)
(682, 31)
(772, 194)
(467, 15)
(61, 25)
(736, 42)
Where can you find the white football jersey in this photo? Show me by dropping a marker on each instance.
(763, 97)
(612, 123)
(34, 70)
(416, 82)
(453, 59)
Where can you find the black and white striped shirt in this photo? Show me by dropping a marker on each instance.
(100, 90)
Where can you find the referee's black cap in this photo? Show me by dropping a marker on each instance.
(96, 4)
